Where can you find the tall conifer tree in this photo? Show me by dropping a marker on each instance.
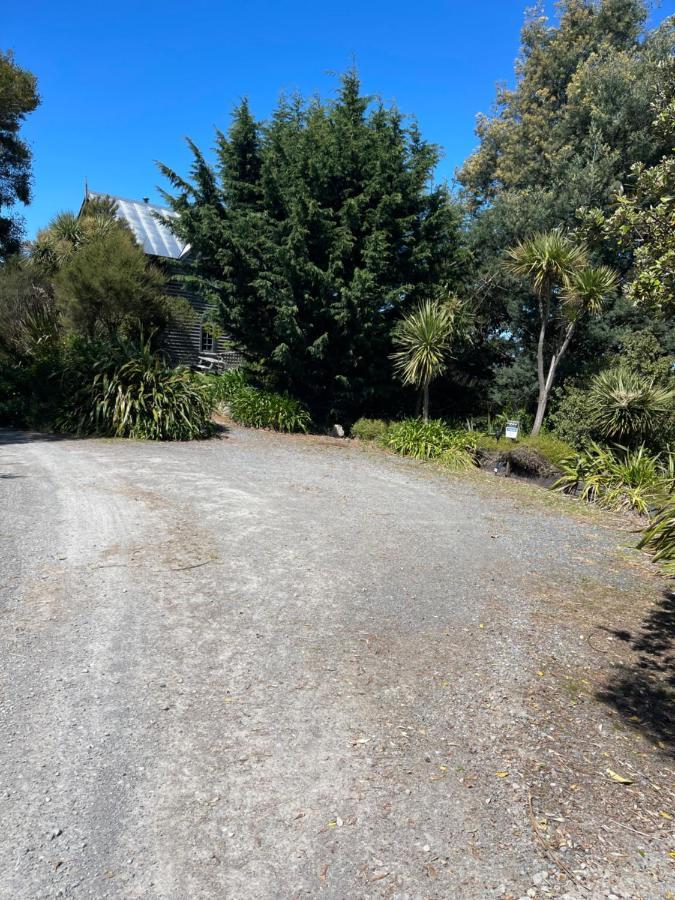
(313, 232)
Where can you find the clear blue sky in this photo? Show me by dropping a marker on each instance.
(122, 83)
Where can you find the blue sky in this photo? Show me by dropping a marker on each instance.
(123, 83)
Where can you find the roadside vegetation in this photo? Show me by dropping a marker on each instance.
(362, 292)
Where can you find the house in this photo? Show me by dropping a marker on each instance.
(190, 343)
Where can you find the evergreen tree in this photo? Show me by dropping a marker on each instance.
(313, 232)
(563, 138)
(18, 98)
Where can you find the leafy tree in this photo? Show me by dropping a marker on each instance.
(18, 98)
(563, 137)
(566, 288)
(642, 224)
(312, 234)
(101, 277)
(578, 117)
(108, 284)
(424, 341)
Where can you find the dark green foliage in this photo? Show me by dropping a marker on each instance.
(264, 409)
(369, 429)
(127, 390)
(107, 283)
(565, 137)
(313, 233)
(18, 98)
(641, 226)
(599, 411)
(572, 418)
(14, 393)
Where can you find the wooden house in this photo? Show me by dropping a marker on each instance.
(190, 343)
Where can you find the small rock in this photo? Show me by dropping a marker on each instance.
(56, 833)
(540, 877)
(338, 431)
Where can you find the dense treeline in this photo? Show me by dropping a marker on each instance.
(334, 260)
(313, 233)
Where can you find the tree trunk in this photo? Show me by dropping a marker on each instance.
(425, 403)
(544, 306)
(546, 384)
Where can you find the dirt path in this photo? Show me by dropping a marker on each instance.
(274, 667)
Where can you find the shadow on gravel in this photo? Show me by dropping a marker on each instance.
(643, 691)
(14, 436)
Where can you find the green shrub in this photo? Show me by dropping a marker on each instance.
(130, 392)
(572, 417)
(618, 479)
(263, 409)
(433, 440)
(627, 406)
(553, 450)
(14, 394)
(659, 538)
(551, 447)
(369, 429)
(222, 387)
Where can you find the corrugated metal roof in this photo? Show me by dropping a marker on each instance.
(144, 219)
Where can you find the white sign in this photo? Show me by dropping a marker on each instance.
(512, 429)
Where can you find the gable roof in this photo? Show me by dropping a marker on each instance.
(145, 220)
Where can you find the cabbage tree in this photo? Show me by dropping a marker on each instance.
(424, 339)
(566, 288)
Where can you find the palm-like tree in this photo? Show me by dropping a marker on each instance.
(566, 288)
(424, 339)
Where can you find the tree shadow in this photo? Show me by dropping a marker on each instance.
(643, 691)
(16, 436)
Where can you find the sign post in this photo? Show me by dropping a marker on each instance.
(512, 430)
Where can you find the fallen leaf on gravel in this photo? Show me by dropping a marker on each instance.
(331, 824)
(540, 674)
(502, 774)
(664, 815)
(672, 854)
(620, 779)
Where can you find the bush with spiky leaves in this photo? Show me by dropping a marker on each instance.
(659, 538)
(457, 449)
(223, 387)
(264, 409)
(129, 391)
(617, 479)
(627, 406)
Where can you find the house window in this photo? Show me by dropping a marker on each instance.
(207, 342)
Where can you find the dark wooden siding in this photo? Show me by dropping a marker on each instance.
(182, 342)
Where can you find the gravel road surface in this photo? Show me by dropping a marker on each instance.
(265, 666)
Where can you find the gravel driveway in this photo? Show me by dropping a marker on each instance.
(265, 666)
